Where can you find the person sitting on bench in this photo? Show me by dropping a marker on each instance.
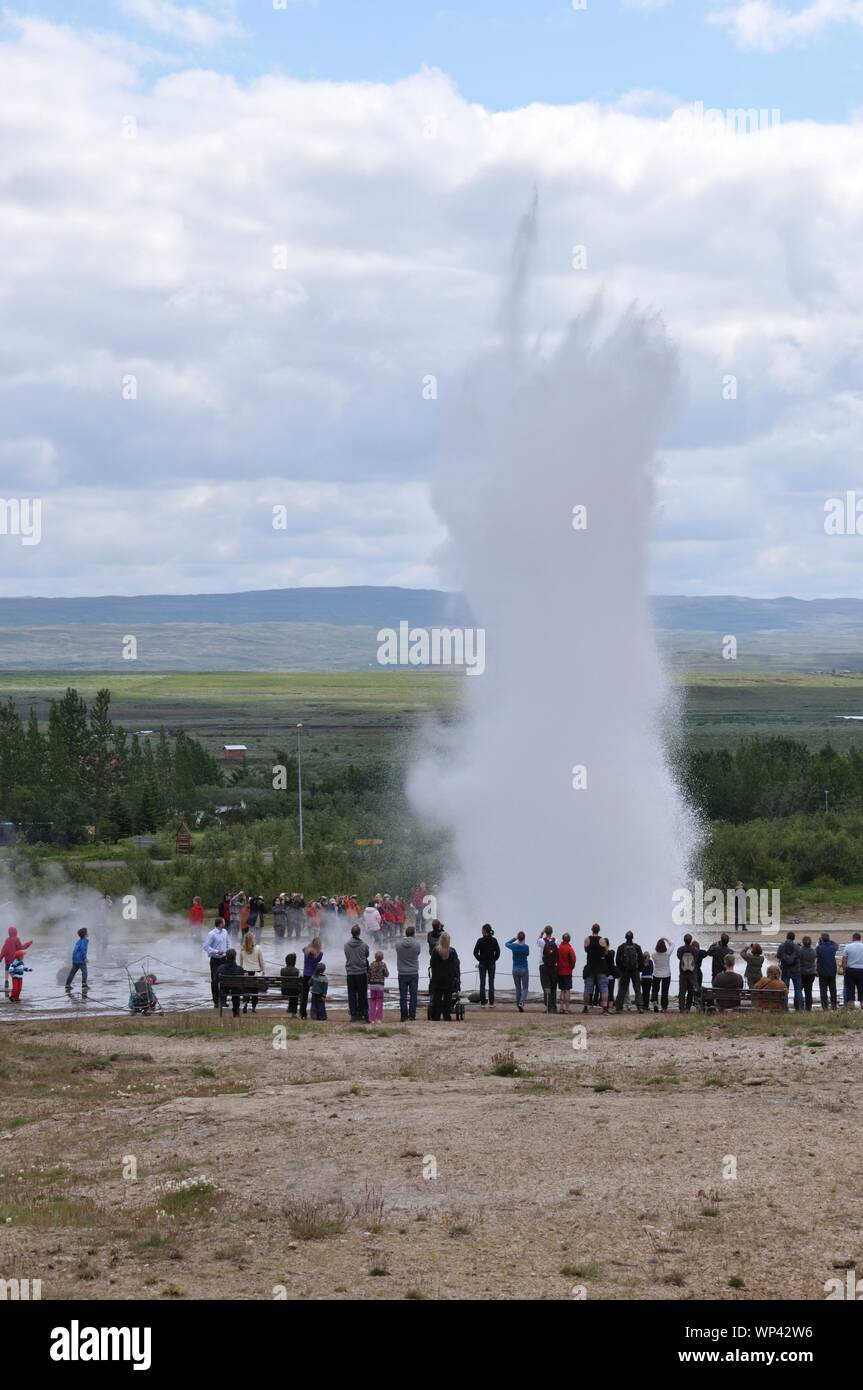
(728, 985)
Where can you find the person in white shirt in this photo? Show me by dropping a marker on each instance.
(371, 919)
(216, 943)
(251, 958)
(852, 960)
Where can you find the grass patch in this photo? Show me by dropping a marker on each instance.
(190, 1199)
(504, 1064)
(754, 1023)
(309, 1218)
(583, 1270)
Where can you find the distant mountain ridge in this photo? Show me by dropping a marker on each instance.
(336, 630)
(385, 606)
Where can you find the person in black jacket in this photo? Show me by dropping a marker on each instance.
(486, 952)
(231, 966)
(717, 953)
(445, 977)
(630, 963)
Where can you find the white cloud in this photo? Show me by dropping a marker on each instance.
(153, 257)
(765, 27)
(188, 23)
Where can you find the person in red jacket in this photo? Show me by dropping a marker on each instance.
(565, 967)
(196, 917)
(8, 951)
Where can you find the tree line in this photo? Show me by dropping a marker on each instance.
(86, 770)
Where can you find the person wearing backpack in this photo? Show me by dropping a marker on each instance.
(548, 969)
(688, 962)
(788, 960)
(630, 963)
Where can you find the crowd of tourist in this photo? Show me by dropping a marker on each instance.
(607, 977)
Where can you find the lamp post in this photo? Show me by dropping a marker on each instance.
(300, 781)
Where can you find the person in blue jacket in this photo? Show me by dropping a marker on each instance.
(825, 957)
(520, 952)
(79, 961)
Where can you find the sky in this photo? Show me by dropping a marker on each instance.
(236, 239)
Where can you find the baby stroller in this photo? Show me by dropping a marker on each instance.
(456, 1005)
(142, 997)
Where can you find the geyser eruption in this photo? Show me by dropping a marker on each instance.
(555, 784)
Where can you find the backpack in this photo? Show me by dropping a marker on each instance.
(549, 955)
(688, 961)
(629, 955)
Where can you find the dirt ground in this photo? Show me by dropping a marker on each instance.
(649, 1158)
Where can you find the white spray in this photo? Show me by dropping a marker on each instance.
(555, 782)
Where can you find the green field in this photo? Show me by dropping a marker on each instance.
(353, 716)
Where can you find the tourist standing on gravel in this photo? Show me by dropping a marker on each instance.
(230, 966)
(486, 953)
(520, 974)
(852, 959)
(629, 962)
(646, 979)
(434, 935)
(445, 978)
(319, 987)
(548, 958)
(408, 970)
(312, 957)
(808, 967)
(688, 962)
(717, 953)
(595, 972)
(661, 974)
(788, 957)
(357, 971)
(291, 982)
(251, 958)
(565, 967)
(825, 954)
(378, 975)
(753, 958)
(216, 944)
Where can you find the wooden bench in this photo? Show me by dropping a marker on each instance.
(710, 1000)
(247, 985)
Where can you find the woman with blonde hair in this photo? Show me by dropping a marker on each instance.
(251, 959)
(445, 977)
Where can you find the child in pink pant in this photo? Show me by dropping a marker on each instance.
(378, 973)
